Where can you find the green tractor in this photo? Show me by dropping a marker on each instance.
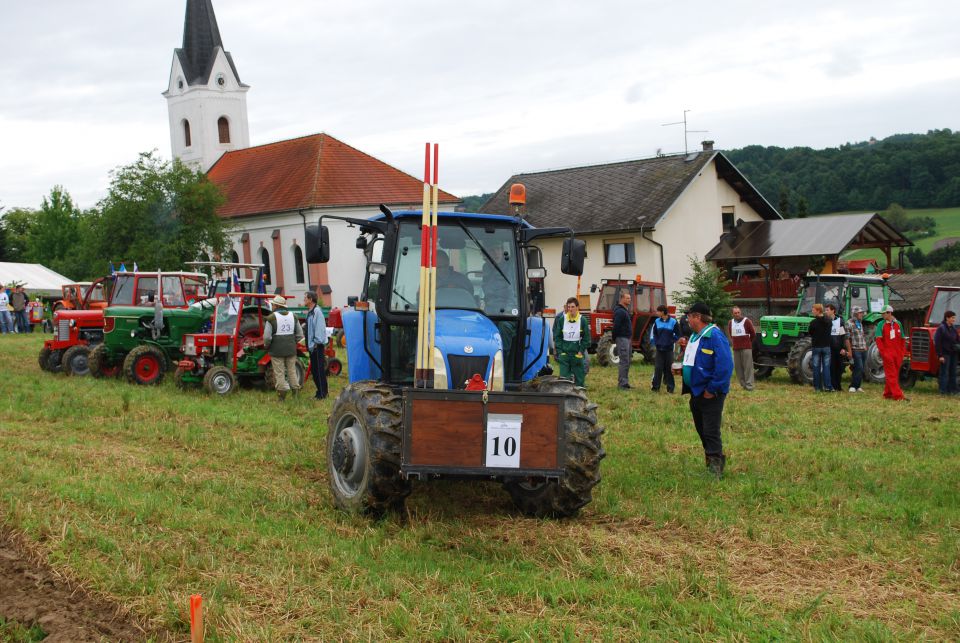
(783, 340)
(145, 324)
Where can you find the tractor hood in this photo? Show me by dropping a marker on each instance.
(468, 342)
(77, 315)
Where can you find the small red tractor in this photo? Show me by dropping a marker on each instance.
(923, 361)
(645, 296)
(77, 325)
(83, 295)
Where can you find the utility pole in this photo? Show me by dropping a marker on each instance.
(686, 147)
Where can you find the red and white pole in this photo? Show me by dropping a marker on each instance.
(423, 303)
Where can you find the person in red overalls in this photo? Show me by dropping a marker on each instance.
(892, 349)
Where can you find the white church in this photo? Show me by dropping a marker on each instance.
(272, 191)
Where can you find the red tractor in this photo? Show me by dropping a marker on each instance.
(645, 296)
(923, 360)
(75, 332)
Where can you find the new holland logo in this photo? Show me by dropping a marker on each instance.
(468, 349)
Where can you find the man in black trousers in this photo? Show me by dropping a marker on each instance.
(316, 343)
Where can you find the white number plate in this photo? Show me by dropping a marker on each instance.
(503, 440)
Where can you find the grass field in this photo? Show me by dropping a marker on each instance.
(948, 225)
(839, 517)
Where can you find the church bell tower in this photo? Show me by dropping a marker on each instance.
(206, 102)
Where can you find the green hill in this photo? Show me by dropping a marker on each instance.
(948, 225)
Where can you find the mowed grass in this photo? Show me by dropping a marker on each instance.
(948, 225)
(839, 517)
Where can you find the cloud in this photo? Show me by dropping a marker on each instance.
(843, 64)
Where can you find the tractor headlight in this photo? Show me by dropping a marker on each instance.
(776, 334)
(763, 333)
(496, 376)
(439, 370)
(189, 346)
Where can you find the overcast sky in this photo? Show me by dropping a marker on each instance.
(503, 86)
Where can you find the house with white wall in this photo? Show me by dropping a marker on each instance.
(641, 219)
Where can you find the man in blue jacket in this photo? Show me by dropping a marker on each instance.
(707, 367)
(663, 335)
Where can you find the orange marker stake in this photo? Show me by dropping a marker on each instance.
(196, 618)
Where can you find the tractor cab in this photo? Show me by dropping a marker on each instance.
(84, 295)
(229, 277)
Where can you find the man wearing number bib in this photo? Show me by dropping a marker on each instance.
(742, 333)
(707, 367)
(281, 332)
(571, 336)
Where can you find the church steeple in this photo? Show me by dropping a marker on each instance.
(205, 98)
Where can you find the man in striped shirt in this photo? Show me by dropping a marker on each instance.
(856, 348)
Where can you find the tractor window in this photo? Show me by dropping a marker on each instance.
(946, 300)
(172, 291)
(659, 299)
(123, 291)
(96, 293)
(146, 291)
(820, 293)
(226, 315)
(192, 289)
(858, 297)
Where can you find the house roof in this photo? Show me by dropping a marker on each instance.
(827, 235)
(618, 196)
(201, 40)
(917, 288)
(313, 171)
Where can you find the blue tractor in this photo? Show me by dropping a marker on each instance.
(493, 411)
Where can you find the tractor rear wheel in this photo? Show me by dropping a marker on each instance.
(43, 357)
(581, 461)
(219, 380)
(873, 365)
(55, 361)
(799, 361)
(99, 364)
(334, 366)
(363, 449)
(76, 360)
(607, 350)
(145, 365)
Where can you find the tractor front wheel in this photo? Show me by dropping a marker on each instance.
(76, 360)
(607, 350)
(363, 449)
(219, 380)
(43, 357)
(580, 461)
(334, 366)
(145, 365)
(178, 379)
(800, 361)
(908, 377)
(55, 361)
(99, 363)
(762, 372)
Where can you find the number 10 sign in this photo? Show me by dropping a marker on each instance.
(503, 440)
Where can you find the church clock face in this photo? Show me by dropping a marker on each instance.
(221, 80)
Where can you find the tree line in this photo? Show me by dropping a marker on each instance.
(157, 213)
(914, 170)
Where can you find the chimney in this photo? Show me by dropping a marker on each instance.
(707, 146)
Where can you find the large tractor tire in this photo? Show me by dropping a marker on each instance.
(607, 350)
(99, 364)
(76, 361)
(799, 361)
(581, 461)
(54, 361)
(363, 449)
(873, 365)
(145, 365)
(43, 357)
(648, 350)
(270, 380)
(219, 380)
(762, 372)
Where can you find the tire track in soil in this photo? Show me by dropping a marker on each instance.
(31, 593)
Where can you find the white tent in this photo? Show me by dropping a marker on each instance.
(35, 278)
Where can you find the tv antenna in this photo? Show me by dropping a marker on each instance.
(686, 148)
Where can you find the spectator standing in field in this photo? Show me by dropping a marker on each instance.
(945, 340)
(623, 338)
(6, 320)
(316, 343)
(663, 335)
(571, 336)
(742, 333)
(281, 333)
(707, 367)
(19, 301)
(820, 328)
(892, 349)
(856, 348)
(838, 349)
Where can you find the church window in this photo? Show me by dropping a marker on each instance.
(186, 133)
(234, 257)
(223, 127)
(265, 261)
(298, 263)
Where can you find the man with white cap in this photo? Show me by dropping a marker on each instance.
(892, 349)
(281, 333)
(856, 348)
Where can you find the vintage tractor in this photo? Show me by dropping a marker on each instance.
(923, 360)
(783, 341)
(645, 296)
(144, 325)
(84, 295)
(233, 351)
(464, 399)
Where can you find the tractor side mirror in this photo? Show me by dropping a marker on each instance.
(318, 244)
(574, 253)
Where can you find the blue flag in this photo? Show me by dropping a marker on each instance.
(112, 271)
(135, 269)
(123, 268)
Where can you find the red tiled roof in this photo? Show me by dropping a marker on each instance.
(307, 172)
